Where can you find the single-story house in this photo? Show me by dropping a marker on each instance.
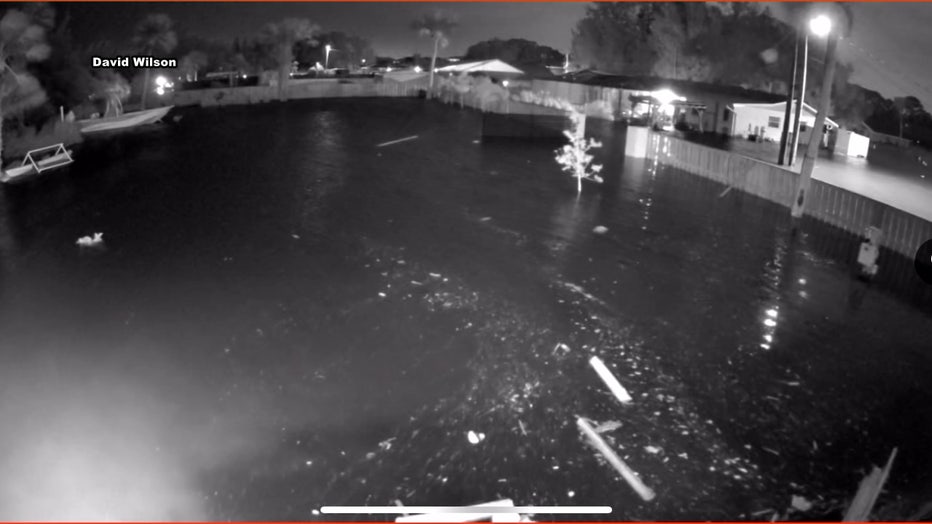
(765, 121)
(705, 106)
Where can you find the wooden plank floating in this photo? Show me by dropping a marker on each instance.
(613, 385)
(869, 490)
(468, 517)
(626, 473)
(400, 140)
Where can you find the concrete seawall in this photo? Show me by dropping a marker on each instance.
(903, 232)
(296, 90)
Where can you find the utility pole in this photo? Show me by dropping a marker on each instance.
(801, 101)
(815, 138)
(790, 94)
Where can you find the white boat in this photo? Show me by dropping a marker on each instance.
(37, 161)
(124, 121)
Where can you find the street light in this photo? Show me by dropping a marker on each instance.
(820, 26)
(327, 48)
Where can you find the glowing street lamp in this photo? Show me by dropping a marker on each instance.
(327, 48)
(820, 26)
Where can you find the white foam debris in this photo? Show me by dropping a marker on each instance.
(475, 438)
(88, 241)
(600, 230)
(800, 503)
(652, 449)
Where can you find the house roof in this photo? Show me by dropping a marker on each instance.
(686, 88)
(483, 66)
(781, 108)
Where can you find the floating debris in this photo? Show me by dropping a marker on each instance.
(868, 491)
(626, 473)
(725, 192)
(800, 503)
(562, 347)
(652, 449)
(400, 140)
(600, 230)
(386, 445)
(613, 385)
(95, 241)
(475, 438)
(471, 516)
(485, 219)
(296, 237)
(605, 427)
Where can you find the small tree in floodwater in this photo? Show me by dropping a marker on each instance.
(575, 157)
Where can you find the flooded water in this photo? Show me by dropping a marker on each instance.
(286, 316)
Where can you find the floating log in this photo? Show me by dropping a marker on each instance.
(626, 473)
(616, 388)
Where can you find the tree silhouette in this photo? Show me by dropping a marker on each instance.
(436, 26)
(154, 34)
(279, 40)
(22, 40)
(192, 63)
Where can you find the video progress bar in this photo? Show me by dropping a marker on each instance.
(481, 510)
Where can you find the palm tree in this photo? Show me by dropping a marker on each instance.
(280, 39)
(22, 40)
(438, 27)
(192, 63)
(154, 34)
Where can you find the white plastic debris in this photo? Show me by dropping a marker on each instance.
(652, 449)
(94, 241)
(800, 503)
(613, 385)
(296, 237)
(475, 438)
(605, 427)
(600, 230)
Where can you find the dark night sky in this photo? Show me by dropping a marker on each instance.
(889, 46)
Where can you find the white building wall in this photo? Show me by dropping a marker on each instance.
(755, 120)
(850, 143)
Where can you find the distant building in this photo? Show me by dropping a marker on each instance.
(765, 121)
(705, 107)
